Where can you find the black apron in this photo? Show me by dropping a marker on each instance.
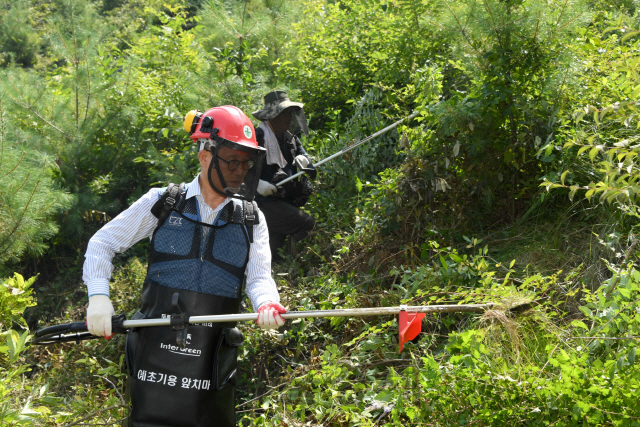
(186, 377)
(185, 386)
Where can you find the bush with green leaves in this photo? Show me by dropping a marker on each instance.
(496, 84)
(504, 94)
(15, 297)
(64, 383)
(19, 42)
(503, 368)
(347, 48)
(601, 149)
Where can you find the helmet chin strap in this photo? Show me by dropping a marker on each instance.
(245, 189)
(226, 190)
(214, 159)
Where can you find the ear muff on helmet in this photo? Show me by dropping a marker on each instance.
(191, 120)
(207, 125)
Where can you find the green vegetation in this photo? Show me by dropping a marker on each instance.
(517, 183)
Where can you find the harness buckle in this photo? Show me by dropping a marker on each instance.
(169, 202)
(179, 321)
(117, 326)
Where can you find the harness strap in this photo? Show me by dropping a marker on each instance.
(165, 204)
(250, 217)
(289, 140)
(173, 197)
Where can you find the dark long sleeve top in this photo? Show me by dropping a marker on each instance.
(290, 150)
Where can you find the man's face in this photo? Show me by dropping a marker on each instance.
(282, 121)
(233, 178)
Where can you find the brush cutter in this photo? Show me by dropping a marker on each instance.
(409, 321)
(349, 148)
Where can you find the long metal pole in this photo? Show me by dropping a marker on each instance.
(348, 312)
(350, 147)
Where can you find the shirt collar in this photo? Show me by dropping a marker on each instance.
(194, 190)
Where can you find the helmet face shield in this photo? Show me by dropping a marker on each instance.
(234, 170)
(298, 122)
(228, 134)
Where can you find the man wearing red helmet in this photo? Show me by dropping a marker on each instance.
(207, 240)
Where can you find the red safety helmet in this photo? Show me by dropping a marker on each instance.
(231, 122)
(228, 126)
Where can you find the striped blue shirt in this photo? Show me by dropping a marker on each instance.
(137, 223)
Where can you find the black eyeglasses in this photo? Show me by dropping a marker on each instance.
(234, 164)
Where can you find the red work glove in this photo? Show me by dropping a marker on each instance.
(269, 315)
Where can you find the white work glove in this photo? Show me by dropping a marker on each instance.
(269, 315)
(99, 315)
(301, 161)
(266, 189)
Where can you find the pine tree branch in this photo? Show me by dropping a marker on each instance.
(46, 208)
(18, 222)
(53, 105)
(64, 43)
(76, 64)
(563, 26)
(1, 134)
(471, 12)
(493, 25)
(564, 8)
(535, 34)
(73, 57)
(511, 23)
(86, 60)
(558, 29)
(434, 24)
(38, 115)
(16, 166)
(23, 183)
(462, 29)
(128, 81)
(27, 106)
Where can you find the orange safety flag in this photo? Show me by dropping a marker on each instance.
(409, 326)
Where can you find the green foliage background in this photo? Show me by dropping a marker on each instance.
(517, 183)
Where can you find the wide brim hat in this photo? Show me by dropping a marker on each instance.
(275, 103)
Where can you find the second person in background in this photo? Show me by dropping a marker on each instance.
(281, 121)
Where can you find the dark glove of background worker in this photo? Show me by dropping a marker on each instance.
(266, 189)
(269, 315)
(99, 315)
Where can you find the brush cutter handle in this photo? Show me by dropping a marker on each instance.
(62, 329)
(75, 331)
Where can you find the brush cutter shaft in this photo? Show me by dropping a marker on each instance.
(77, 331)
(348, 312)
(349, 148)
